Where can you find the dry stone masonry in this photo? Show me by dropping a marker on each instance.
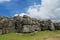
(25, 24)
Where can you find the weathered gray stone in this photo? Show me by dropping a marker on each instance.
(26, 20)
(5, 24)
(35, 28)
(52, 27)
(47, 25)
(18, 18)
(25, 24)
(31, 28)
(57, 26)
(0, 31)
(27, 28)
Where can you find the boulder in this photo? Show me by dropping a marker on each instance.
(0, 31)
(57, 26)
(29, 21)
(35, 28)
(27, 29)
(18, 18)
(30, 28)
(47, 25)
(44, 25)
(7, 24)
(52, 28)
(26, 20)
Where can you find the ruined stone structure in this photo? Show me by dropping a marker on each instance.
(25, 24)
(47, 25)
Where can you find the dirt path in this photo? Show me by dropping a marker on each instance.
(53, 39)
(57, 37)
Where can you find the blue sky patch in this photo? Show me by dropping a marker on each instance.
(16, 6)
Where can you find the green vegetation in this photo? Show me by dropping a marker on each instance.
(31, 36)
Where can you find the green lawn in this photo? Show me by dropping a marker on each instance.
(32, 36)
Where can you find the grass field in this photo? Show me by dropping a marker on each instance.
(44, 35)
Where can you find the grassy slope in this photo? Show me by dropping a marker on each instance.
(37, 36)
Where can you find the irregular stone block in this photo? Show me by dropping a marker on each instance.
(0, 31)
(26, 28)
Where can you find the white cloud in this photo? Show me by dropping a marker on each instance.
(1, 1)
(15, 14)
(47, 10)
(21, 14)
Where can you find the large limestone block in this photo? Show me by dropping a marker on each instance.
(31, 28)
(0, 31)
(27, 28)
(35, 28)
(52, 27)
(27, 21)
(57, 26)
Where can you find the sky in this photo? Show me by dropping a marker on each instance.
(11, 7)
(40, 9)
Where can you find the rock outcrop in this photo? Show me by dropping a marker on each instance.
(47, 25)
(25, 24)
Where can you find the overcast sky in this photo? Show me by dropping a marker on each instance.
(40, 9)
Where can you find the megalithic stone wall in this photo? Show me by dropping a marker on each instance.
(25, 24)
(57, 26)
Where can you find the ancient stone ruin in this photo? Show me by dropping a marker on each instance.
(25, 24)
